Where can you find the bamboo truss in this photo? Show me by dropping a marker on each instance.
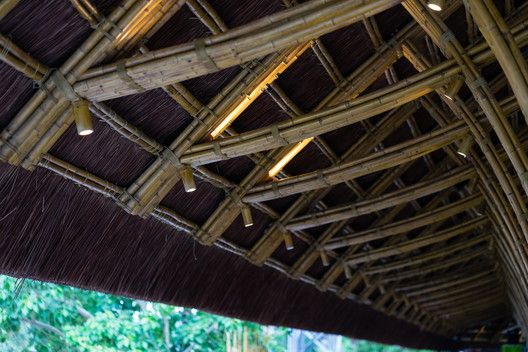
(428, 268)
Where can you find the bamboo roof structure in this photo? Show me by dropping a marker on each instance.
(356, 167)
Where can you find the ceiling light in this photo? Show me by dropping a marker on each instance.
(187, 177)
(83, 118)
(288, 157)
(436, 5)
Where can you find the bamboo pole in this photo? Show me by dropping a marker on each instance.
(498, 35)
(419, 242)
(50, 102)
(381, 160)
(6, 6)
(446, 263)
(350, 210)
(426, 256)
(407, 224)
(276, 32)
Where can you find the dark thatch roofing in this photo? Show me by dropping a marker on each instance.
(396, 237)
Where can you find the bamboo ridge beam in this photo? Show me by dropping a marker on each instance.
(419, 242)
(381, 160)
(178, 63)
(370, 205)
(406, 225)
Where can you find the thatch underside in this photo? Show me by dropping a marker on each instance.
(352, 167)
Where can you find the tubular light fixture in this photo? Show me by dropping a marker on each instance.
(348, 272)
(453, 87)
(246, 216)
(255, 93)
(83, 118)
(288, 157)
(436, 5)
(324, 257)
(187, 177)
(288, 241)
(465, 147)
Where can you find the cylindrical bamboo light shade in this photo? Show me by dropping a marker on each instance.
(465, 147)
(436, 5)
(454, 87)
(348, 272)
(288, 241)
(324, 257)
(246, 216)
(187, 177)
(83, 119)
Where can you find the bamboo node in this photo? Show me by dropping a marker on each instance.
(201, 53)
(168, 155)
(125, 77)
(446, 38)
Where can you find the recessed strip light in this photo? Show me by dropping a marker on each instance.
(255, 93)
(436, 5)
(288, 157)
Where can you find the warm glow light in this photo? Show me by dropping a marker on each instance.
(85, 132)
(138, 23)
(255, 93)
(465, 147)
(246, 216)
(288, 157)
(453, 87)
(436, 5)
(187, 178)
(83, 118)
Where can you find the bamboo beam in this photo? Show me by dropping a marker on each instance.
(15, 57)
(431, 286)
(498, 35)
(6, 6)
(424, 257)
(381, 160)
(406, 225)
(341, 115)
(460, 258)
(369, 205)
(50, 102)
(257, 39)
(469, 287)
(419, 242)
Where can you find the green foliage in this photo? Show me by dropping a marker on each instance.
(36, 316)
